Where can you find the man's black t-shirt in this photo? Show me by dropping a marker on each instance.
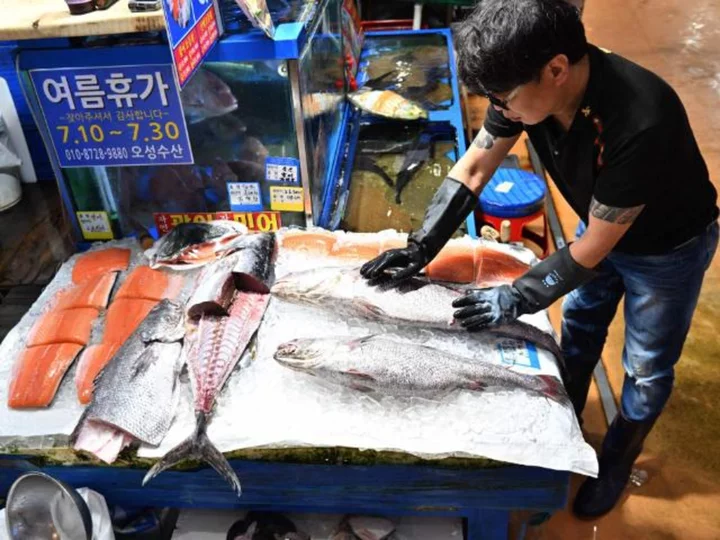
(630, 144)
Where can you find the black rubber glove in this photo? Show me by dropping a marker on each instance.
(536, 289)
(451, 204)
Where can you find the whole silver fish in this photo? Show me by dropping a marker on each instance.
(136, 391)
(212, 354)
(384, 366)
(416, 302)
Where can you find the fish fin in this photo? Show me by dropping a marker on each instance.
(200, 446)
(370, 309)
(361, 388)
(477, 386)
(553, 389)
(184, 450)
(359, 374)
(143, 361)
(207, 450)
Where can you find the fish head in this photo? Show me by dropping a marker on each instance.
(302, 354)
(413, 111)
(165, 323)
(310, 285)
(207, 96)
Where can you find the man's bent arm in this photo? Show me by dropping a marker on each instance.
(606, 226)
(485, 155)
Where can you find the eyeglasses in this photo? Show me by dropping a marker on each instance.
(502, 103)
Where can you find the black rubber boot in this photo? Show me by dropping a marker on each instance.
(577, 384)
(621, 447)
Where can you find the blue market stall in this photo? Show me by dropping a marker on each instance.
(270, 140)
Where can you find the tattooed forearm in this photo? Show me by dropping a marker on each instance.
(484, 140)
(613, 214)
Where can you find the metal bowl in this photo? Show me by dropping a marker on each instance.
(39, 507)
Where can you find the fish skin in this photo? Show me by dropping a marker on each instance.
(253, 270)
(387, 104)
(135, 392)
(206, 96)
(212, 355)
(381, 365)
(188, 243)
(416, 302)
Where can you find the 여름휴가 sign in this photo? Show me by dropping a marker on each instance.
(113, 116)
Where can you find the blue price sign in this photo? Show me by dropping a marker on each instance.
(114, 116)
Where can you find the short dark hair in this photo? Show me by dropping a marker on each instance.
(506, 43)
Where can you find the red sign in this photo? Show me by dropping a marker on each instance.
(254, 221)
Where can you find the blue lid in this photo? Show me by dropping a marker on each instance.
(512, 193)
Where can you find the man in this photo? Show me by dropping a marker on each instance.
(616, 141)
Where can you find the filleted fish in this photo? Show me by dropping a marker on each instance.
(416, 302)
(136, 391)
(387, 104)
(249, 269)
(385, 366)
(212, 354)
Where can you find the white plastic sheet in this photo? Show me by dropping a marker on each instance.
(267, 406)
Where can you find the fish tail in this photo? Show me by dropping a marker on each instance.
(208, 452)
(552, 388)
(197, 446)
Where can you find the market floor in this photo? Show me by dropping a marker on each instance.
(679, 40)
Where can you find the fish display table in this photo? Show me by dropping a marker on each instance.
(329, 481)
(38, 19)
(296, 444)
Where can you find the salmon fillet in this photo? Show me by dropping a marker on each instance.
(95, 263)
(68, 326)
(318, 243)
(454, 263)
(457, 262)
(38, 373)
(92, 361)
(93, 293)
(148, 284)
(362, 251)
(493, 267)
(123, 317)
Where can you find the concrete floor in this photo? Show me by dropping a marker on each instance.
(679, 40)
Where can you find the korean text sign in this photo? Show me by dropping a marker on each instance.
(114, 116)
(192, 29)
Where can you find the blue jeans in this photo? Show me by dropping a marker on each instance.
(661, 293)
